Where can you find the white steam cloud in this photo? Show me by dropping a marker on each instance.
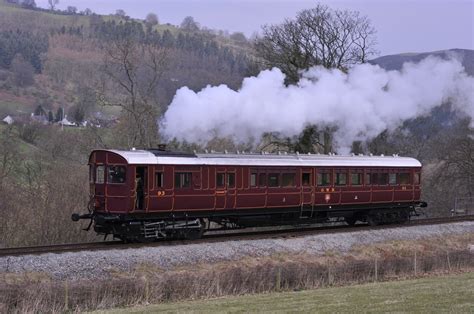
(361, 103)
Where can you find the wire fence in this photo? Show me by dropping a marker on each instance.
(238, 279)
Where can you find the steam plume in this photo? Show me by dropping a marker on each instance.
(361, 103)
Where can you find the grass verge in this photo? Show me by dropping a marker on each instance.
(442, 294)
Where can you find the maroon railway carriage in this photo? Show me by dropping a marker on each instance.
(149, 194)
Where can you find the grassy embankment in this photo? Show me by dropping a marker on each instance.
(441, 294)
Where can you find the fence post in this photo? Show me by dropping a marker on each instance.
(414, 263)
(147, 290)
(278, 279)
(66, 296)
(329, 275)
(376, 270)
(449, 262)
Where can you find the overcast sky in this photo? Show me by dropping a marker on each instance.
(402, 25)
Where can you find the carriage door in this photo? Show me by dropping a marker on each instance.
(307, 193)
(141, 188)
(231, 192)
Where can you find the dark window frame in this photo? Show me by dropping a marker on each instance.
(228, 182)
(220, 179)
(293, 180)
(360, 176)
(262, 183)
(323, 174)
(309, 183)
(338, 175)
(161, 175)
(188, 175)
(402, 175)
(275, 175)
(111, 178)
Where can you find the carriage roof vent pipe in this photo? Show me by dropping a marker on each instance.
(371, 154)
(382, 155)
(352, 154)
(297, 153)
(361, 154)
(225, 151)
(133, 148)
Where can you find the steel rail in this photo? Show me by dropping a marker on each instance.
(222, 236)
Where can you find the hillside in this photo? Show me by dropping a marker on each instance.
(67, 55)
(395, 62)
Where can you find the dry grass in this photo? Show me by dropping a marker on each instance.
(148, 284)
(437, 294)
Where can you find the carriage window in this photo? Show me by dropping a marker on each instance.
(262, 179)
(306, 179)
(416, 179)
(273, 179)
(367, 179)
(99, 174)
(341, 178)
(380, 178)
(288, 179)
(159, 179)
(91, 173)
(323, 178)
(356, 178)
(392, 178)
(116, 174)
(231, 180)
(404, 178)
(253, 179)
(220, 180)
(182, 179)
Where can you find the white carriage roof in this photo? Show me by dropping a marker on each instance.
(310, 160)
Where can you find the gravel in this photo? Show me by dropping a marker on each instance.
(99, 264)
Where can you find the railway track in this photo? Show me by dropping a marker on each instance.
(221, 236)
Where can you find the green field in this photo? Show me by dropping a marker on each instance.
(444, 294)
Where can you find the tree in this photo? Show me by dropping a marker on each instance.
(238, 36)
(50, 116)
(87, 11)
(189, 24)
(71, 10)
(53, 4)
(319, 36)
(151, 19)
(85, 102)
(28, 4)
(132, 70)
(59, 114)
(22, 71)
(121, 13)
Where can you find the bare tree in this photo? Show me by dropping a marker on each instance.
(121, 13)
(53, 4)
(189, 24)
(22, 71)
(132, 71)
(319, 36)
(71, 9)
(151, 19)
